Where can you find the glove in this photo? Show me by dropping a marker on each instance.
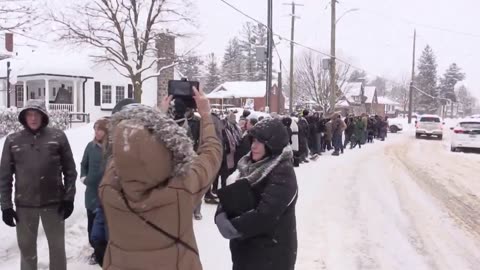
(225, 227)
(66, 209)
(9, 216)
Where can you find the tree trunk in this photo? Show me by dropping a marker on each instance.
(137, 88)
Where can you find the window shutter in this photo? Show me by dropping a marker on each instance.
(130, 91)
(97, 93)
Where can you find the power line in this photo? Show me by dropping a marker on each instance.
(289, 40)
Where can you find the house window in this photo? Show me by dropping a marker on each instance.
(54, 91)
(39, 92)
(106, 94)
(119, 93)
(70, 89)
(19, 93)
(32, 95)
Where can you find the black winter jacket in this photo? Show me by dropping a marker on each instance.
(269, 234)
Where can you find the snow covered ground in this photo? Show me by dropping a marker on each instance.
(399, 204)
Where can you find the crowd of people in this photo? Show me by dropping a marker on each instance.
(147, 171)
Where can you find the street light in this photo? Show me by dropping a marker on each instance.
(345, 13)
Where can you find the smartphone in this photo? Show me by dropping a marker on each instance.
(182, 88)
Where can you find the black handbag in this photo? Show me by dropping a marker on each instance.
(237, 198)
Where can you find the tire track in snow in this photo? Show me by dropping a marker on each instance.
(438, 215)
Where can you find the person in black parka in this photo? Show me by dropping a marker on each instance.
(265, 238)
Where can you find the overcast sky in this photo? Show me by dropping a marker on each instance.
(378, 37)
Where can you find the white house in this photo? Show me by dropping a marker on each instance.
(93, 88)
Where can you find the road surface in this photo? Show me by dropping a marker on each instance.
(406, 204)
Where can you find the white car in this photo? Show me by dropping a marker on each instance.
(466, 135)
(429, 125)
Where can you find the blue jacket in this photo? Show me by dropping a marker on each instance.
(99, 230)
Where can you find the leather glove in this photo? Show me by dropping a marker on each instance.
(9, 216)
(225, 227)
(66, 209)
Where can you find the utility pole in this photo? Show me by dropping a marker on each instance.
(269, 54)
(8, 84)
(410, 99)
(292, 52)
(333, 67)
(280, 90)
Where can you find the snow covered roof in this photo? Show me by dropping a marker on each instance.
(240, 89)
(370, 93)
(342, 103)
(386, 101)
(352, 89)
(49, 61)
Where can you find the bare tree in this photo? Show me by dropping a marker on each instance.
(17, 15)
(312, 82)
(400, 92)
(124, 31)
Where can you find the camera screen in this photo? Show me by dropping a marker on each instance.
(180, 88)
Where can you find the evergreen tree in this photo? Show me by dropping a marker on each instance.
(426, 81)
(253, 36)
(233, 62)
(358, 76)
(213, 74)
(452, 76)
(189, 67)
(465, 98)
(260, 34)
(248, 47)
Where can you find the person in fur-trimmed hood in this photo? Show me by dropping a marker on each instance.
(153, 181)
(265, 237)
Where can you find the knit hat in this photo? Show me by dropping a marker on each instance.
(306, 112)
(272, 133)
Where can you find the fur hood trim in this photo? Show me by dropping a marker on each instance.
(165, 130)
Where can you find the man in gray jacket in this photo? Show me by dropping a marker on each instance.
(38, 156)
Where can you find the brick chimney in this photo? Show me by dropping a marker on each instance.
(9, 42)
(165, 45)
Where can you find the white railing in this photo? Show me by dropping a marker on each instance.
(61, 107)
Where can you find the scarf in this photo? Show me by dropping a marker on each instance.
(255, 172)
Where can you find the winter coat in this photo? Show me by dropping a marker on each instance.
(92, 169)
(152, 184)
(38, 160)
(266, 237)
(359, 130)
(329, 130)
(350, 126)
(365, 122)
(295, 139)
(303, 135)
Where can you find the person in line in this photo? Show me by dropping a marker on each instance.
(232, 136)
(265, 237)
(338, 126)
(155, 173)
(38, 156)
(328, 136)
(211, 195)
(303, 136)
(357, 137)
(245, 143)
(349, 131)
(292, 129)
(91, 174)
(366, 127)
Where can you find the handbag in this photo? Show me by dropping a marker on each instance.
(237, 198)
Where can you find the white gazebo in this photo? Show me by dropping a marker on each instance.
(44, 74)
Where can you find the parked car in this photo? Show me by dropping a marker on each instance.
(466, 135)
(429, 125)
(394, 126)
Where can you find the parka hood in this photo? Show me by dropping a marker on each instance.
(165, 131)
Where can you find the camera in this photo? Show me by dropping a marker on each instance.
(183, 90)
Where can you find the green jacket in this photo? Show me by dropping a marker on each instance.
(92, 169)
(359, 131)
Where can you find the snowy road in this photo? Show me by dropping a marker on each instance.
(399, 204)
(409, 204)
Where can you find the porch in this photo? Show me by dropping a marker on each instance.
(60, 92)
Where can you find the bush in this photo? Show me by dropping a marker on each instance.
(9, 120)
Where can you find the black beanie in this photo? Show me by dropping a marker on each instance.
(272, 133)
